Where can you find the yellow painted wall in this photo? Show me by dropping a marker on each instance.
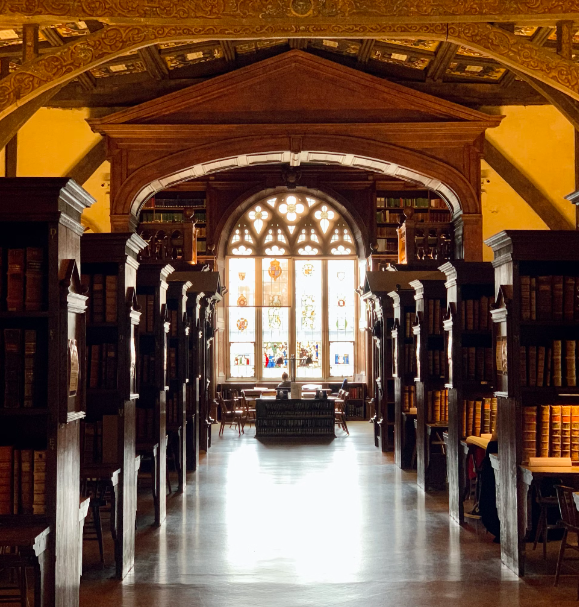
(51, 143)
(540, 142)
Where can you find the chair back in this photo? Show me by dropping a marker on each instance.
(270, 393)
(569, 512)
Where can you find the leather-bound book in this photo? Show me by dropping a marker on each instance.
(555, 430)
(557, 298)
(6, 480)
(463, 419)
(437, 404)
(532, 366)
(39, 503)
(34, 278)
(15, 282)
(540, 366)
(523, 365)
(570, 368)
(470, 418)
(478, 417)
(16, 481)
(529, 433)
(26, 481)
(480, 364)
(469, 314)
(111, 372)
(569, 298)
(575, 433)
(525, 297)
(111, 299)
(13, 367)
(484, 313)
(544, 298)
(545, 442)
(486, 415)
(98, 301)
(566, 431)
(471, 363)
(29, 367)
(533, 298)
(94, 366)
(557, 366)
(494, 414)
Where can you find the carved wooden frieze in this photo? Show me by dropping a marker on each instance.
(314, 11)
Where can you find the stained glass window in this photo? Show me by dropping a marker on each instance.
(308, 307)
(291, 281)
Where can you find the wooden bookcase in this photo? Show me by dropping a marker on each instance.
(430, 377)
(178, 371)
(535, 320)
(468, 325)
(294, 417)
(202, 296)
(109, 271)
(152, 375)
(42, 322)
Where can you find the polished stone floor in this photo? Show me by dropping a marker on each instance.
(290, 525)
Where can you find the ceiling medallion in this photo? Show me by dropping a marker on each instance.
(301, 8)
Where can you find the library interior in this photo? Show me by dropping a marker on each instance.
(289, 303)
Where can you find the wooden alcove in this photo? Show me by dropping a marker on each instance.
(291, 109)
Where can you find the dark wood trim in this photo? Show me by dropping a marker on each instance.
(154, 63)
(11, 157)
(439, 65)
(365, 51)
(525, 188)
(228, 51)
(565, 31)
(29, 42)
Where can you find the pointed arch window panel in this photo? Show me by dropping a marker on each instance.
(341, 315)
(308, 317)
(242, 282)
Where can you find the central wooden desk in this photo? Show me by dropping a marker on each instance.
(294, 417)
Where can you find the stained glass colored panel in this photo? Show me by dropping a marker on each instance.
(242, 324)
(241, 282)
(242, 363)
(341, 358)
(341, 300)
(275, 282)
(308, 305)
(275, 336)
(274, 358)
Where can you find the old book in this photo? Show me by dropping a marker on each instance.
(476, 312)
(540, 366)
(16, 482)
(525, 297)
(408, 325)
(533, 298)
(545, 439)
(173, 316)
(469, 314)
(430, 315)
(26, 481)
(549, 367)
(557, 313)
(529, 433)
(532, 366)
(34, 299)
(462, 309)
(569, 298)
(470, 418)
(557, 367)
(29, 367)
(15, 280)
(437, 406)
(6, 480)
(566, 431)
(523, 365)
(463, 419)
(85, 281)
(494, 414)
(13, 380)
(94, 366)
(111, 299)
(486, 426)
(438, 317)
(39, 503)
(570, 356)
(555, 431)
(484, 313)
(98, 302)
(406, 400)
(575, 433)
(478, 417)
(544, 297)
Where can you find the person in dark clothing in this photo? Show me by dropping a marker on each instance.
(487, 497)
(285, 381)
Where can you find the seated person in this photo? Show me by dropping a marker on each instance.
(285, 382)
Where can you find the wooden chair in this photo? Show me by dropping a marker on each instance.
(543, 527)
(248, 404)
(340, 410)
(14, 590)
(570, 524)
(231, 415)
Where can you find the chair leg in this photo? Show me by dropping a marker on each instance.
(96, 514)
(539, 528)
(560, 558)
(22, 582)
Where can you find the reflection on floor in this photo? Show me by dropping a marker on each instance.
(294, 524)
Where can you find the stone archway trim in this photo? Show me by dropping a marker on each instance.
(69, 61)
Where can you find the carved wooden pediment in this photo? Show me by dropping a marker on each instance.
(294, 88)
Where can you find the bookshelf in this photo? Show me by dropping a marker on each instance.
(468, 327)
(202, 296)
(535, 331)
(294, 417)
(109, 273)
(42, 328)
(178, 392)
(390, 206)
(430, 377)
(152, 375)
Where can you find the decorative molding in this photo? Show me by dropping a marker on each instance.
(307, 12)
(68, 62)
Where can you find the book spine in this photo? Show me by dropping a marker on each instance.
(545, 445)
(34, 278)
(569, 298)
(15, 282)
(529, 433)
(557, 367)
(575, 433)
(494, 414)
(29, 367)
(525, 282)
(478, 417)
(566, 431)
(12, 368)
(487, 416)
(557, 313)
(532, 366)
(544, 297)
(39, 503)
(26, 481)
(523, 365)
(540, 366)
(98, 305)
(556, 431)
(533, 298)
(6, 480)
(570, 355)
(111, 299)
(16, 482)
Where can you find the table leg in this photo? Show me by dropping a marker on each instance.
(156, 489)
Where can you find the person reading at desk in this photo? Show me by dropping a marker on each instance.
(285, 381)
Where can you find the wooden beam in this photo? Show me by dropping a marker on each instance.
(11, 157)
(565, 39)
(154, 63)
(526, 189)
(365, 51)
(539, 38)
(299, 43)
(29, 42)
(84, 169)
(228, 51)
(438, 66)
